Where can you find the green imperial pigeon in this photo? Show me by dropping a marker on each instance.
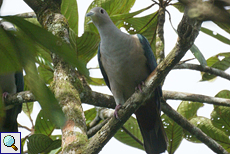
(125, 62)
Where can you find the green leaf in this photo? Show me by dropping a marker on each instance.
(43, 57)
(33, 21)
(220, 116)
(224, 26)
(90, 115)
(87, 45)
(26, 53)
(49, 41)
(223, 94)
(174, 133)
(216, 36)
(38, 143)
(27, 108)
(43, 125)
(45, 73)
(70, 10)
(189, 109)
(56, 137)
(73, 39)
(179, 6)
(96, 81)
(43, 95)
(118, 19)
(56, 144)
(56, 151)
(23, 141)
(131, 127)
(217, 62)
(207, 127)
(198, 55)
(8, 53)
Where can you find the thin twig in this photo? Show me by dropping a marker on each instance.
(31, 120)
(132, 136)
(206, 69)
(25, 127)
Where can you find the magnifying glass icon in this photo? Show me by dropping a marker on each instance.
(9, 141)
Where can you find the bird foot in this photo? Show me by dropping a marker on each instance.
(139, 86)
(116, 112)
(5, 94)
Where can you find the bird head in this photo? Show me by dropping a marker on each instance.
(99, 16)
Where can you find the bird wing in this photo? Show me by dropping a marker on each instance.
(151, 61)
(102, 68)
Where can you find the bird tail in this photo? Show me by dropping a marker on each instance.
(10, 122)
(152, 130)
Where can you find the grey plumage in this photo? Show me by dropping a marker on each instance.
(125, 61)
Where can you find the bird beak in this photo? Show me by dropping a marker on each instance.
(89, 14)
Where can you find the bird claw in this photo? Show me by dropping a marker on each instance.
(139, 86)
(116, 112)
(5, 94)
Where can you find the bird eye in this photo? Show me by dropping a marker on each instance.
(102, 11)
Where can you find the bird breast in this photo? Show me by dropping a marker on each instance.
(125, 65)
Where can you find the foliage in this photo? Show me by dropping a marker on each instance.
(33, 55)
(220, 61)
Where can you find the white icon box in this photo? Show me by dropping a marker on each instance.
(10, 142)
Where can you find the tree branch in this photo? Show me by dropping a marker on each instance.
(107, 101)
(18, 98)
(27, 15)
(99, 99)
(195, 98)
(160, 54)
(96, 128)
(206, 69)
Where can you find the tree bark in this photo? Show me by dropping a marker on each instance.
(65, 81)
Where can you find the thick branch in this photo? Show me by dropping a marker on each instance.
(98, 99)
(103, 100)
(160, 55)
(206, 69)
(18, 98)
